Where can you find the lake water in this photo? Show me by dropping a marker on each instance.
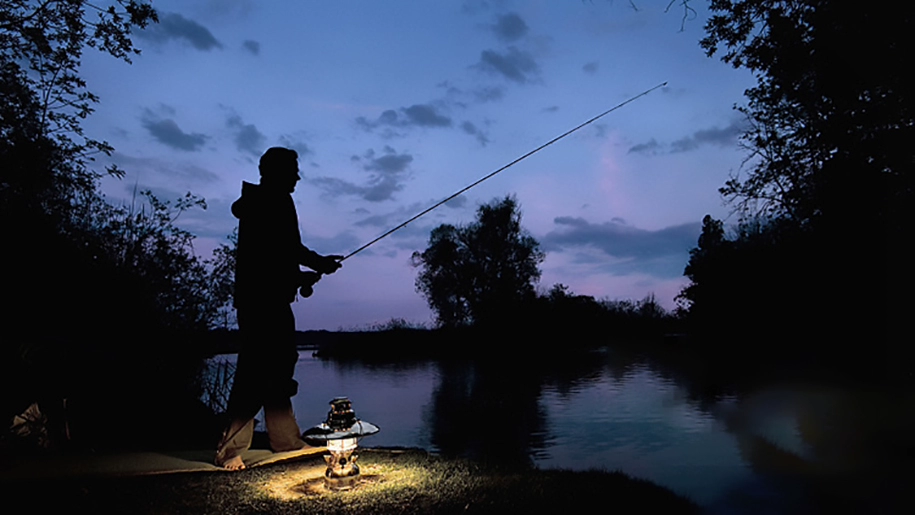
(778, 449)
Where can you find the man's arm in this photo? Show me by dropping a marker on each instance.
(317, 262)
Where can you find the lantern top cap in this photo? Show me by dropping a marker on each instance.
(341, 423)
(322, 433)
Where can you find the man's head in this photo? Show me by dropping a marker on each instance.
(279, 167)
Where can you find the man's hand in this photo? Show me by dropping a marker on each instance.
(329, 264)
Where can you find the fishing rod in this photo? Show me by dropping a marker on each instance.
(478, 181)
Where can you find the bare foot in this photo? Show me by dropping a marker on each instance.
(234, 464)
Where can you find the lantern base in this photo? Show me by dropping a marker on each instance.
(341, 482)
(342, 472)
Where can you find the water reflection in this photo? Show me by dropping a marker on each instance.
(791, 448)
(486, 412)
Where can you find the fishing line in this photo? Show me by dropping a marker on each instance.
(478, 181)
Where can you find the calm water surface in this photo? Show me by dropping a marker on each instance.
(749, 453)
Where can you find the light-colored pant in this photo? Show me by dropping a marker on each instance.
(263, 378)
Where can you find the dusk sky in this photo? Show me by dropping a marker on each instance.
(392, 106)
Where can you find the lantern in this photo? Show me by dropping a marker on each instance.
(340, 434)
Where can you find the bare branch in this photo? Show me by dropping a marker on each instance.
(688, 12)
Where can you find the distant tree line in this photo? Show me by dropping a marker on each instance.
(484, 275)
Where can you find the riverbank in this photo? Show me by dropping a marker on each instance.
(393, 481)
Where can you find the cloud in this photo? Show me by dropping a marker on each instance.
(662, 253)
(247, 138)
(300, 147)
(472, 129)
(417, 115)
(457, 202)
(177, 27)
(515, 65)
(722, 137)
(390, 163)
(590, 68)
(480, 95)
(387, 220)
(341, 243)
(650, 147)
(411, 237)
(510, 27)
(388, 173)
(252, 46)
(425, 115)
(167, 132)
(151, 167)
(489, 94)
(600, 130)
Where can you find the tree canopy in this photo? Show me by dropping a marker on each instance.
(825, 197)
(58, 225)
(832, 116)
(481, 273)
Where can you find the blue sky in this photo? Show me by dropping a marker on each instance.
(395, 105)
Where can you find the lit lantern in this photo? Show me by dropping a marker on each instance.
(340, 433)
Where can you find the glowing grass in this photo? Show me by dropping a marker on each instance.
(415, 482)
(393, 482)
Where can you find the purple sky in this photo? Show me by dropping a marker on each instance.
(395, 105)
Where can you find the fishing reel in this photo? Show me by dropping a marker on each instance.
(306, 282)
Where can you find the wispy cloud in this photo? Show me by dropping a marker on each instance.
(650, 147)
(714, 136)
(510, 27)
(489, 94)
(173, 26)
(514, 64)
(416, 115)
(388, 172)
(247, 138)
(167, 132)
(252, 46)
(720, 136)
(302, 148)
(662, 253)
(473, 130)
(153, 167)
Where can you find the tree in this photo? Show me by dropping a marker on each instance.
(98, 286)
(704, 266)
(48, 180)
(825, 200)
(481, 273)
(831, 115)
(45, 152)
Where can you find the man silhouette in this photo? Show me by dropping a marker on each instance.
(267, 275)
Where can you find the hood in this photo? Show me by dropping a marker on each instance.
(254, 197)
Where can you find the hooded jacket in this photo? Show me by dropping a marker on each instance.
(270, 248)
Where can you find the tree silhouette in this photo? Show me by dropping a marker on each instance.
(108, 302)
(831, 115)
(825, 198)
(481, 273)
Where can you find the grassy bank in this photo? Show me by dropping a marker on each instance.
(401, 482)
